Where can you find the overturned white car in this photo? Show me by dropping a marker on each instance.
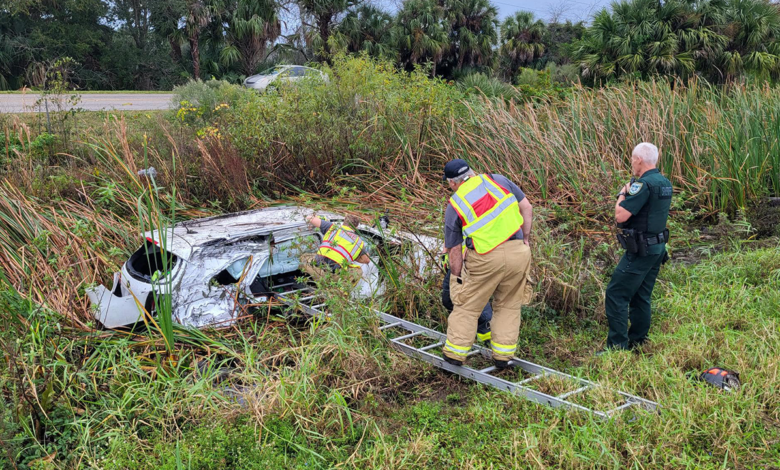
(208, 266)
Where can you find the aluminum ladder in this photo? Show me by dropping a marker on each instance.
(306, 300)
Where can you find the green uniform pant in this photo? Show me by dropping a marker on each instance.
(628, 298)
(501, 273)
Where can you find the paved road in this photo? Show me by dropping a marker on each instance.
(25, 103)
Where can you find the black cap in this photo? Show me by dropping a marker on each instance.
(455, 168)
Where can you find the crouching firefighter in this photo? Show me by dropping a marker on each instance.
(342, 251)
(641, 211)
(483, 322)
(494, 217)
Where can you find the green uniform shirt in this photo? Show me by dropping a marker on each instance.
(648, 200)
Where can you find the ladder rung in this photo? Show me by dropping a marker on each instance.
(621, 407)
(304, 299)
(573, 392)
(483, 376)
(432, 346)
(284, 294)
(283, 285)
(389, 325)
(530, 379)
(410, 335)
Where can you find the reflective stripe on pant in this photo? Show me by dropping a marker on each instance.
(628, 298)
(503, 274)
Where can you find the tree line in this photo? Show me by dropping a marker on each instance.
(156, 44)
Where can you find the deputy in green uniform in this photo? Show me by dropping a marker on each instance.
(641, 212)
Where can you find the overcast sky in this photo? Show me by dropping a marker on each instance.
(574, 10)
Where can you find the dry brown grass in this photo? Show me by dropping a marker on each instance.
(51, 251)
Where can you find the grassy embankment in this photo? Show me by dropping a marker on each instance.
(320, 396)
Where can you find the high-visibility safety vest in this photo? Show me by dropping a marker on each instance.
(341, 244)
(489, 212)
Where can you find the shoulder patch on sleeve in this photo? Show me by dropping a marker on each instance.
(635, 188)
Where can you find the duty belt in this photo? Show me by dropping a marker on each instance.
(657, 239)
(637, 242)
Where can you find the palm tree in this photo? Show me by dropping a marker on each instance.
(251, 26)
(719, 39)
(165, 17)
(522, 40)
(368, 29)
(473, 31)
(420, 34)
(753, 31)
(647, 38)
(325, 14)
(198, 16)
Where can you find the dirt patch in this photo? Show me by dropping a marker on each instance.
(764, 217)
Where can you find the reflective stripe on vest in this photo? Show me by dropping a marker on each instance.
(337, 245)
(490, 213)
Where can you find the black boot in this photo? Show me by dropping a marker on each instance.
(452, 361)
(501, 365)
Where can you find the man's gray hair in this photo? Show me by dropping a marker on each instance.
(647, 152)
(462, 178)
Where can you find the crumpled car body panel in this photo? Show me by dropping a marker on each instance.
(253, 244)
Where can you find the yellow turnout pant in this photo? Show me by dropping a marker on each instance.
(317, 272)
(503, 274)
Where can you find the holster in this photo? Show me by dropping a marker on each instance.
(628, 240)
(641, 244)
(632, 241)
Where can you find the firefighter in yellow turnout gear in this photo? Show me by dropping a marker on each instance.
(483, 322)
(494, 217)
(341, 250)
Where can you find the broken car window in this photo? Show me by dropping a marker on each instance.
(149, 263)
(231, 274)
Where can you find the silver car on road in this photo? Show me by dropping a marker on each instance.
(282, 74)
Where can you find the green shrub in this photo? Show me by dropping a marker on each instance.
(367, 117)
(531, 77)
(198, 101)
(10, 143)
(566, 74)
(490, 87)
(39, 148)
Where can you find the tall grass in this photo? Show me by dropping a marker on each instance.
(325, 395)
(720, 147)
(52, 251)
